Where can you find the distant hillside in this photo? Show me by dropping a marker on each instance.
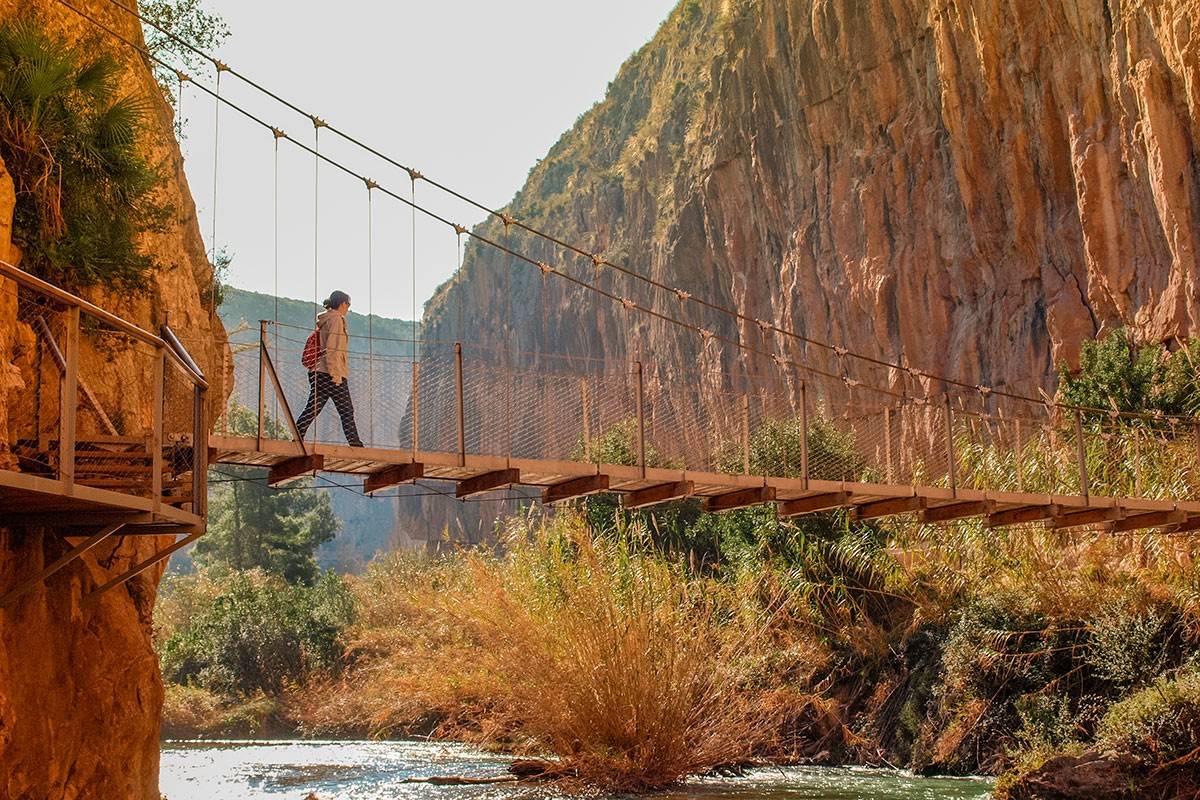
(241, 307)
(368, 525)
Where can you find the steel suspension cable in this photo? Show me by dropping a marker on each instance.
(682, 295)
(600, 261)
(371, 311)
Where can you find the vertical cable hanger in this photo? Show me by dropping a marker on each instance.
(371, 187)
(277, 135)
(413, 176)
(317, 123)
(220, 68)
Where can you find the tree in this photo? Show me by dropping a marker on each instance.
(170, 22)
(252, 525)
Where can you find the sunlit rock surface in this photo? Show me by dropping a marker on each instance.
(80, 691)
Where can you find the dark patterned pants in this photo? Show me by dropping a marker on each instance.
(321, 389)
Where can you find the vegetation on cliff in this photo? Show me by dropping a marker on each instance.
(74, 143)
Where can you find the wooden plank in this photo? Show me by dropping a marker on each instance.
(60, 563)
(1018, 516)
(74, 519)
(653, 495)
(576, 487)
(159, 376)
(1088, 517)
(814, 504)
(1155, 519)
(1190, 524)
(487, 482)
(393, 476)
(294, 468)
(739, 499)
(975, 508)
(68, 403)
(888, 508)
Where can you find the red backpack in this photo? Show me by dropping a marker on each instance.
(312, 351)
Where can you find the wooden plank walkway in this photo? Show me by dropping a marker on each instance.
(562, 480)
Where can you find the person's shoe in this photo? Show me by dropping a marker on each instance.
(357, 444)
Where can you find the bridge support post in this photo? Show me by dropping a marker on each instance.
(804, 433)
(641, 420)
(587, 419)
(156, 438)
(199, 453)
(1081, 455)
(416, 409)
(459, 405)
(951, 462)
(262, 380)
(745, 434)
(887, 449)
(69, 403)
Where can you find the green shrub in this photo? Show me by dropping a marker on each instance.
(1159, 723)
(1129, 648)
(1118, 373)
(256, 633)
(75, 147)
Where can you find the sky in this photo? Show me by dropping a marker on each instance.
(469, 93)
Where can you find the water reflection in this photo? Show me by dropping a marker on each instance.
(378, 770)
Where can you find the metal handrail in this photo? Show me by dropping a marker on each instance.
(24, 278)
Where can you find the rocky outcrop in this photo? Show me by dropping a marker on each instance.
(80, 690)
(1095, 776)
(970, 187)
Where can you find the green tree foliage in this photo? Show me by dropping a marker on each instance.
(176, 21)
(1118, 373)
(74, 145)
(255, 632)
(252, 525)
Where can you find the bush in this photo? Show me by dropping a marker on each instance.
(247, 632)
(75, 149)
(1129, 648)
(633, 675)
(1157, 724)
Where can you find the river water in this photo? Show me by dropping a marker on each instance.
(384, 770)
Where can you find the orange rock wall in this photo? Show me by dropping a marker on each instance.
(974, 187)
(80, 689)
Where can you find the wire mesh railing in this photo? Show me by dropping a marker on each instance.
(102, 403)
(447, 397)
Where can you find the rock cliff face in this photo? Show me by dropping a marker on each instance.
(969, 186)
(80, 690)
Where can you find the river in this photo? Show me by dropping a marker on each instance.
(379, 770)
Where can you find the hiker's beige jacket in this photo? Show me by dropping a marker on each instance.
(335, 346)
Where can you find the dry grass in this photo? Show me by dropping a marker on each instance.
(630, 674)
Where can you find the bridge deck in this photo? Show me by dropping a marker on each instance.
(34, 500)
(867, 499)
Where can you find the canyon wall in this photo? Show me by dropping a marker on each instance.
(967, 187)
(80, 690)
(971, 187)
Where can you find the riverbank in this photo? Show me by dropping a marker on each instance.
(357, 770)
(870, 655)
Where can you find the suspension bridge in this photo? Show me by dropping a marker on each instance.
(812, 428)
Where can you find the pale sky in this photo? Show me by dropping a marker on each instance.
(470, 93)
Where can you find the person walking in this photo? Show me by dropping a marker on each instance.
(329, 376)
